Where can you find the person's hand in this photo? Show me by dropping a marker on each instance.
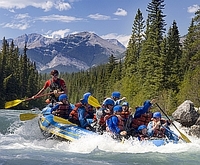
(55, 92)
(33, 97)
(153, 101)
(123, 133)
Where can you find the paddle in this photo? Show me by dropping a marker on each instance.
(184, 137)
(30, 116)
(13, 103)
(94, 102)
(63, 121)
(27, 116)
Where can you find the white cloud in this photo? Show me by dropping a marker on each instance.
(46, 5)
(120, 12)
(22, 16)
(193, 9)
(20, 26)
(57, 34)
(99, 17)
(121, 38)
(61, 18)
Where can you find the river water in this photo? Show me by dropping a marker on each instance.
(22, 143)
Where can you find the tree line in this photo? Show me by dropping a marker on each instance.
(156, 65)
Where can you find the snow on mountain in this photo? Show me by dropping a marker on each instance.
(61, 60)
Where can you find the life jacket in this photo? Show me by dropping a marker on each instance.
(63, 111)
(74, 113)
(142, 137)
(55, 85)
(160, 133)
(144, 119)
(125, 114)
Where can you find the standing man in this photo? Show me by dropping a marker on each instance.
(56, 85)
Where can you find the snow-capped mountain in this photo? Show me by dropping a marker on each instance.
(73, 53)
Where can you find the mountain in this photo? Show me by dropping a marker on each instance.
(73, 53)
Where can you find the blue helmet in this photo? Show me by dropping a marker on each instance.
(109, 101)
(141, 127)
(125, 104)
(85, 98)
(117, 108)
(156, 115)
(116, 94)
(62, 96)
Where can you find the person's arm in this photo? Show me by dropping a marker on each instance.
(115, 122)
(42, 90)
(64, 87)
(55, 108)
(81, 117)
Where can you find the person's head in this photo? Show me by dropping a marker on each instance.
(142, 129)
(116, 95)
(85, 97)
(63, 98)
(117, 109)
(54, 74)
(156, 116)
(109, 104)
(125, 106)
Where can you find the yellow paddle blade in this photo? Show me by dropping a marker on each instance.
(63, 121)
(27, 116)
(93, 101)
(13, 103)
(185, 138)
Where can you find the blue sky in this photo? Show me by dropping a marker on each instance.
(106, 18)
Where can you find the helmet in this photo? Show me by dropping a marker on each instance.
(86, 95)
(117, 108)
(125, 104)
(141, 127)
(109, 101)
(116, 94)
(63, 96)
(156, 115)
(53, 72)
(84, 100)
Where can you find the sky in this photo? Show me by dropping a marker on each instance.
(109, 19)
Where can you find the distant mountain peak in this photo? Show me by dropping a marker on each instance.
(72, 53)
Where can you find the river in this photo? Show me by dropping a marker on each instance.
(22, 143)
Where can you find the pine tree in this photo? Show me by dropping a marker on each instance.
(173, 68)
(150, 65)
(134, 45)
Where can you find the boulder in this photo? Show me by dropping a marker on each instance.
(186, 114)
(195, 131)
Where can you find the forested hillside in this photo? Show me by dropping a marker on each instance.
(156, 65)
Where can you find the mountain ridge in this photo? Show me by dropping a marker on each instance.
(72, 53)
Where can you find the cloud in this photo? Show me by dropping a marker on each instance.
(46, 5)
(121, 38)
(22, 16)
(193, 8)
(60, 18)
(98, 17)
(20, 26)
(120, 12)
(57, 34)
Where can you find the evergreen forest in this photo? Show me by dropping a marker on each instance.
(156, 65)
